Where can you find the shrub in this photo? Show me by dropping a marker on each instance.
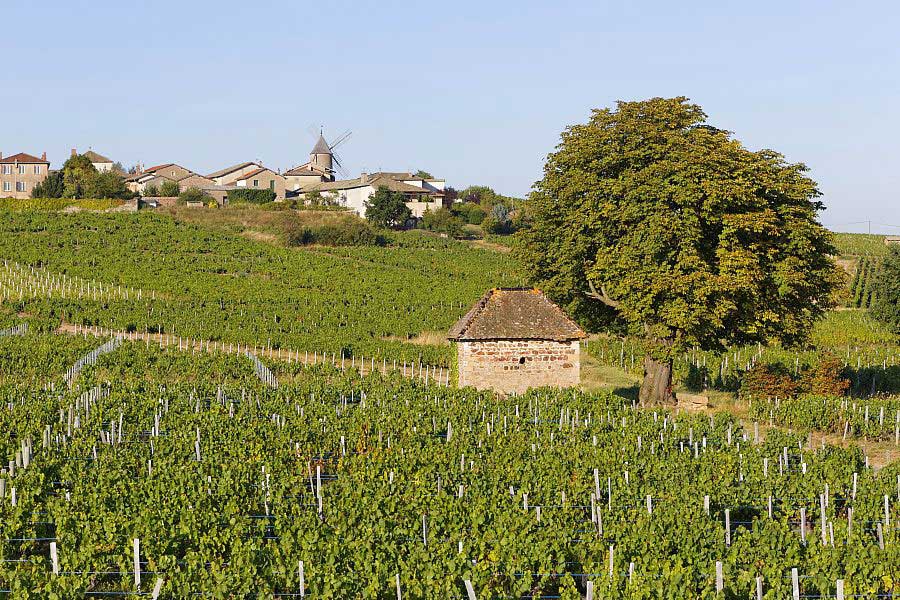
(443, 221)
(251, 196)
(387, 209)
(169, 189)
(347, 233)
(886, 300)
(826, 378)
(766, 380)
(193, 194)
(151, 191)
(471, 213)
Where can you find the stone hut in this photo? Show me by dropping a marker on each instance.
(514, 339)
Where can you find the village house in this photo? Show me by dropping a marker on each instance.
(156, 176)
(514, 339)
(261, 179)
(891, 240)
(19, 174)
(420, 194)
(100, 162)
(227, 175)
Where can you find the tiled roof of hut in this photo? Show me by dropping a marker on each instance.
(515, 314)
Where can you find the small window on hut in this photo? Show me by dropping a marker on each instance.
(522, 360)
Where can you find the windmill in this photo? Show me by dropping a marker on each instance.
(337, 166)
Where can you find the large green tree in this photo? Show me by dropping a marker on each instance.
(652, 218)
(79, 176)
(81, 180)
(886, 299)
(53, 186)
(385, 208)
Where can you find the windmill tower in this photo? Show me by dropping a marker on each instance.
(322, 157)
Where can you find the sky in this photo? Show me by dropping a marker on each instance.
(473, 92)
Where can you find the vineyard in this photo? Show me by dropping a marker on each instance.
(150, 274)
(870, 354)
(168, 473)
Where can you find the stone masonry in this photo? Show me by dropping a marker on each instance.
(513, 366)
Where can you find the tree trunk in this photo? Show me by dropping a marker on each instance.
(657, 385)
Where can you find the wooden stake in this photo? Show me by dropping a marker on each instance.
(54, 558)
(137, 563)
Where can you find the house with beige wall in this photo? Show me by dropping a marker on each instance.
(156, 176)
(262, 178)
(19, 174)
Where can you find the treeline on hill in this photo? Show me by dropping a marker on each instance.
(80, 179)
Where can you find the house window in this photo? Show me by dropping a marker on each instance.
(272, 185)
(256, 183)
(20, 186)
(37, 169)
(7, 169)
(7, 186)
(22, 169)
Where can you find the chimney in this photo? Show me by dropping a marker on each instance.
(364, 178)
(74, 152)
(1, 156)
(43, 156)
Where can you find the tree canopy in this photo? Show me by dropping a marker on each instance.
(79, 179)
(650, 217)
(886, 299)
(388, 209)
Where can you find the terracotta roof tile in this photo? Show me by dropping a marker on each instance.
(515, 314)
(21, 157)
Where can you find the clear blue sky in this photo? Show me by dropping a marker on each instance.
(476, 92)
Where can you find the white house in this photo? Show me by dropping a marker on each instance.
(420, 194)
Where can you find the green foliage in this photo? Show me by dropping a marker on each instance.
(861, 286)
(53, 186)
(110, 184)
(151, 191)
(487, 197)
(193, 194)
(886, 288)
(170, 189)
(498, 222)
(318, 201)
(650, 215)
(57, 204)
(873, 418)
(352, 232)
(469, 212)
(78, 177)
(860, 244)
(387, 209)
(443, 221)
(219, 285)
(423, 174)
(393, 453)
(251, 196)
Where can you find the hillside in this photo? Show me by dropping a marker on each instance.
(209, 283)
